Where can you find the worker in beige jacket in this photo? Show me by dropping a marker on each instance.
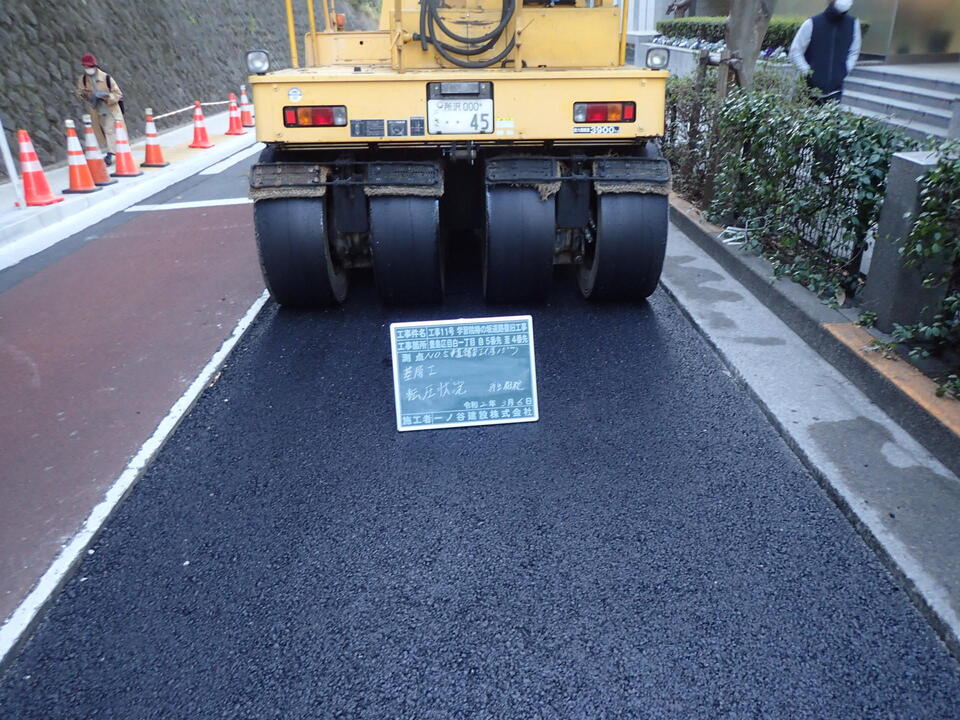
(103, 99)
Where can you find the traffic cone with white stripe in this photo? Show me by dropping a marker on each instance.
(81, 181)
(91, 148)
(246, 117)
(153, 156)
(200, 137)
(235, 128)
(126, 166)
(36, 189)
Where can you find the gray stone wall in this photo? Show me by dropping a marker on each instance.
(163, 53)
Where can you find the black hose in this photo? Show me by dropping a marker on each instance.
(423, 24)
(476, 46)
(460, 50)
(505, 14)
(483, 63)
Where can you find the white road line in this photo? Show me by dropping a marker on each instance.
(191, 204)
(233, 159)
(21, 621)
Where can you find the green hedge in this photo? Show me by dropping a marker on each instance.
(779, 34)
(804, 185)
(807, 181)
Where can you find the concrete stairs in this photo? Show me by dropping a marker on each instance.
(920, 106)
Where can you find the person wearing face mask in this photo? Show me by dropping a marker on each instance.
(826, 48)
(103, 99)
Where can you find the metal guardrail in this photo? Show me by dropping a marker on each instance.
(190, 107)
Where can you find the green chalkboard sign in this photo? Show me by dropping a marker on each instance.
(455, 373)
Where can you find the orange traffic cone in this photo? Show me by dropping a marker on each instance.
(36, 189)
(81, 181)
(235, 128)
(246, 117)
(153, 157)
(126, 166)
(200, 138)
(91, 148)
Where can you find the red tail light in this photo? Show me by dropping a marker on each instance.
(604, 112)
(315, 116)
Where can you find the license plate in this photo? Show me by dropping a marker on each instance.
(459, 117)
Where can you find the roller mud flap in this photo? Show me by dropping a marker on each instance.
(404, 179)
(541, 174)
(273, 181)
(632, 175)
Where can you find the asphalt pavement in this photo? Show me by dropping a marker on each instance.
(649, 548)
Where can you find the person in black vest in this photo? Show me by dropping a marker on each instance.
(826, 47)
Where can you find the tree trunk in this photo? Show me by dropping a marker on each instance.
(746, 26)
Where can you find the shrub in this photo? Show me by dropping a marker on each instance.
(810, 178)
(808, 181)
(691, 141)
(688, 141)
(779, 34)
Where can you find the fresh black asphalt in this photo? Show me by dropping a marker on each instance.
(650, 548)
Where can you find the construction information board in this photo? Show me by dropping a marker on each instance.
(455, 373)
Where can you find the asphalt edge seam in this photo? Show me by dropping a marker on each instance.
(17, 629)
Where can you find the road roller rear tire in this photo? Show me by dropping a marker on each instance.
(518, 247)
(625, 259)
(295, 256)
(406, 251)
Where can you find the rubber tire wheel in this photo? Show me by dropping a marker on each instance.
(294, 249)
(518, 246)
(627, 256)
(405, 245)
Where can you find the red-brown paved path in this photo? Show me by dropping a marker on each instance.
(94, 350)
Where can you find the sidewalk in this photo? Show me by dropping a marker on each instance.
(27, 231)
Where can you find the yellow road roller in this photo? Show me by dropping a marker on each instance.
(517, 119)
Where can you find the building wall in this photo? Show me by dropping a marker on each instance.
(163, 53)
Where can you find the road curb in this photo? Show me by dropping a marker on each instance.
(805, 314)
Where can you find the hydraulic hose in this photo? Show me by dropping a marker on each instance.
(423, 25)
(430, 18)
(467, 51)
(506, 13)
(481, 64)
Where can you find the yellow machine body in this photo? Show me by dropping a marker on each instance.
(561, 55)
(532, 105)
(514, 124)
